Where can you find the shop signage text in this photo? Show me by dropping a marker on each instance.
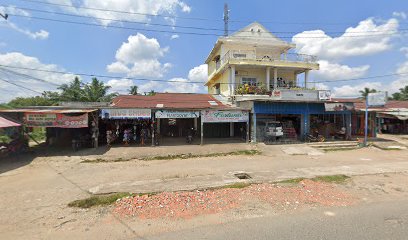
(224, 116)
(338, 107)
(125, 113)
(55, 120)
(176, 114)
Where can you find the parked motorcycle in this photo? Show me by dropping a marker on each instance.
(316, 137)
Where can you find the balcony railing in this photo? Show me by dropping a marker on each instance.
(262, 57)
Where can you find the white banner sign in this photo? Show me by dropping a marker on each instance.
(377, 99)
(325, 95)
(224, 116)
(176, 114)
(114, 113)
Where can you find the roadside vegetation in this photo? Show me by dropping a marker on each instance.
(176, 156)
(340, 178)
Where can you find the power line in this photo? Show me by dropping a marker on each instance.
(172, 16)
(15, 84)
(118, 11)
(187, 33)
(28, 77)
(186, 27)
(191, 82)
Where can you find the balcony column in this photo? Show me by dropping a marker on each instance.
(306, 77)
(275, 78)
(232, 80)
(268, 78)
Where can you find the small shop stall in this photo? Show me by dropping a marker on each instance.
(12, 139)
(236, 119)
(126, 125)
(176, 123)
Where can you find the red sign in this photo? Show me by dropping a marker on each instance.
(58, 120)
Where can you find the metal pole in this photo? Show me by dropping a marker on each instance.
(202, 131)
(226, 18)
(247, 131)
(366, 123)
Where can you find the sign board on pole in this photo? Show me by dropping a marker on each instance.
(125, 113)
(224, 116)
(176, 114)
(377, 99)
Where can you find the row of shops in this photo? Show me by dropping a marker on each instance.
(167, 119)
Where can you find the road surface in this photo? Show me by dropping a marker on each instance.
(381, 220)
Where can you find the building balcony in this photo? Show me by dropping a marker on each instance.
(252, 58)
(260, 93)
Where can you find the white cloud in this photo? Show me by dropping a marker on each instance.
(139, 57)
(120, 85)
(404, 50)
(17, 59)
(401, 15)
(334, 71)
(182, 85)
(354, 91)
(317, 42)
(402, 79)
(174, 36)
(321, 86)
(199, 73)
(166, 7)
(42, 34)
(147, 87)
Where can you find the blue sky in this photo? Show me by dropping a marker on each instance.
(32, 43)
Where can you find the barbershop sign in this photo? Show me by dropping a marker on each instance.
(125, 113)
(176, 114)
(224, 116)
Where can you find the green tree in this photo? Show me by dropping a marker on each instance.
(133, 90)
(72, 91)
(366, 91)
(97, 91)
(402, 95)
(31, 101)
(151, 93)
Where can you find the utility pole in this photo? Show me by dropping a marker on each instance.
(226, 18)
(5, 16)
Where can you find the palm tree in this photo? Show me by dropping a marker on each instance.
(133, 90)
(366, 91)
(151, 93)
(97, 91)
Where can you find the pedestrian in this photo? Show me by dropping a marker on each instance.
(109, 137)
(143, 134)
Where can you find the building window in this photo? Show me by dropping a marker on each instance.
(249, 80)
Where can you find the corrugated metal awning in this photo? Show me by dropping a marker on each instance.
(399, 115)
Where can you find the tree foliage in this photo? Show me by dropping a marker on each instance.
(402, 95)
(366, 91)
(133, 90)
(75, 91)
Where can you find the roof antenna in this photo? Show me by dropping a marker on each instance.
(226, 18)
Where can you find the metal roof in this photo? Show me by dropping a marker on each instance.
(5, 123)
(30, 110)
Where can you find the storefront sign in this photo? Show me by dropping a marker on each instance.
(176, 114)
(224, 116)
(377, 99)
(325, 95)
(129, 113)
(55, 120)
(338, 107)
(277, 94)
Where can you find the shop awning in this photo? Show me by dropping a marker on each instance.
(399, 115)
(5, 123)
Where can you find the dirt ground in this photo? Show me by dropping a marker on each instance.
(35, 191)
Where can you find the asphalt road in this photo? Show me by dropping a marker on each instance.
(384, 220)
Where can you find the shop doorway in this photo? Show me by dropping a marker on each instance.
(331, 126)
(278, 128)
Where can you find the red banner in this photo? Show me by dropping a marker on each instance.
(58, 120)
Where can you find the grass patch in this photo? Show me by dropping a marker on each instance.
(237, 185)
(190, 155)
(98, 200)
(100, 160)
(340, 149)
(329, 179)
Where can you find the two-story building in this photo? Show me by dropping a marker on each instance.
(253, 68)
